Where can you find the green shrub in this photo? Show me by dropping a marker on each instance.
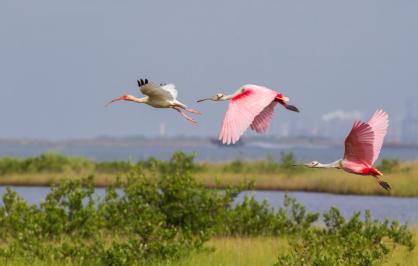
(165, 215)
(9, 165)
(268, 166)
(389, 165)
(287, 165)
(236, 166)
(352, 242)
(287, 161)
(47, 162)
(114, 166)
(252, 218)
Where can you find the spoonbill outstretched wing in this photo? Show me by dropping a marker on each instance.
(158, 96)
(251, 106)
(362, 148)
(262, 120)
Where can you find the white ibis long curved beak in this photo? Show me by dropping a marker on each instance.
(122, 98)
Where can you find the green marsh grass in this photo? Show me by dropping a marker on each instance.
(232, 251)
(249, 251)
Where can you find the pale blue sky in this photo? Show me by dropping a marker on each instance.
(61, 61)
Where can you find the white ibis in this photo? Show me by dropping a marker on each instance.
(159, 96)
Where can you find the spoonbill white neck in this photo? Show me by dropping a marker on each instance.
(217, 97)
(315, 164)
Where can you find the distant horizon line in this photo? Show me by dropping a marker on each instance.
(295, 139)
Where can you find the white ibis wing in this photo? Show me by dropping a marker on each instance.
(246, 104)
(155, 91)
(171, 88)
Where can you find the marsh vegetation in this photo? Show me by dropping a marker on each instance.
(266, 174)
(159, 214)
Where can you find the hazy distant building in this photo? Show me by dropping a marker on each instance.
(410, 123)
(337, 124)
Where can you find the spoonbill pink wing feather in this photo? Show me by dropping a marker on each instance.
(363, 144)
(379, 123)
(262, 121)
(243, 108)
(359, 144)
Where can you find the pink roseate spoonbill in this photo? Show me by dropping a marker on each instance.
(250, 106)
(159, 96)
(362, 148)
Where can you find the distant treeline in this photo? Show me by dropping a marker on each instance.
(57, 163)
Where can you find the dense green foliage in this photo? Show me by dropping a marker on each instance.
(145, 220)
(160, 213)
(352, 242)
(252, 218)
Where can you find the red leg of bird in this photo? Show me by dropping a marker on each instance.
(190, 110)
(193, 111)
(185, 116)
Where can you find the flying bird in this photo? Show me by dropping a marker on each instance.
(250, 106)
(159, 96)
(362, 148)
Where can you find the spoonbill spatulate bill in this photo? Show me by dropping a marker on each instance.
(362, 148)
(250, 106)
(159, 96)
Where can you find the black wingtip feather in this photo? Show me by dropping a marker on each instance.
(292, 108)
(142, 82)
(385, 185)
